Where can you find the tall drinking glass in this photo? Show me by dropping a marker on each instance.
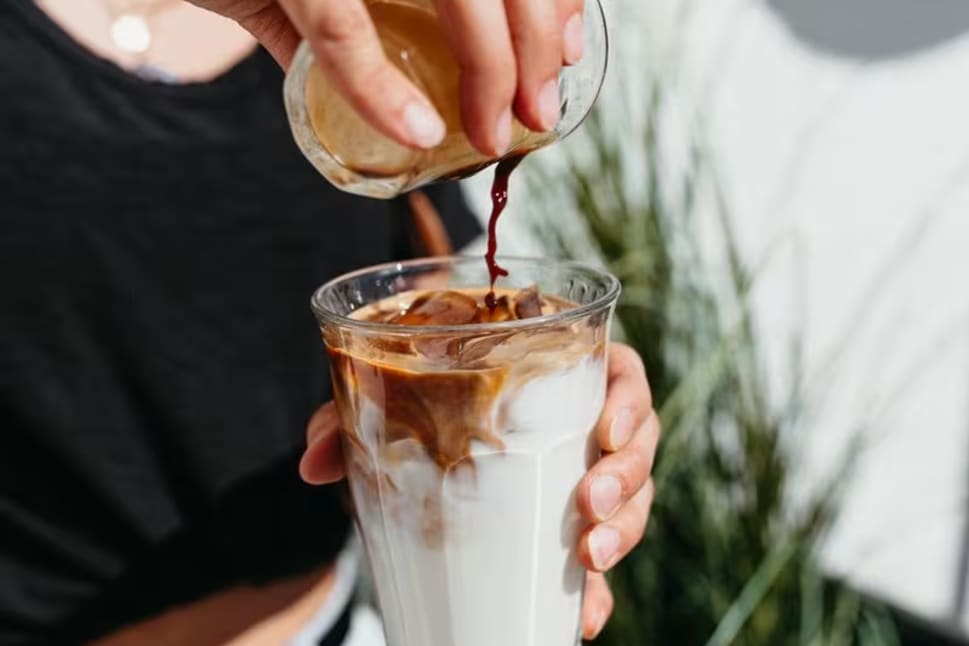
(464, 444)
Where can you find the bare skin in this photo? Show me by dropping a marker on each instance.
(510, 54)
(615, 496)
(190, 43)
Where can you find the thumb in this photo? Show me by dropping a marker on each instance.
(322, 463)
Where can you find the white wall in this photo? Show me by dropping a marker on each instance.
(861, 155)
(842, 130)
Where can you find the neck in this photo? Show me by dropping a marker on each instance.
(187, 42)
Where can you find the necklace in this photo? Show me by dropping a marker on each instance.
(131, 24)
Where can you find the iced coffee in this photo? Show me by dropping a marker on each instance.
(467, 426)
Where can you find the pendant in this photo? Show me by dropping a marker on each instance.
(131, 34)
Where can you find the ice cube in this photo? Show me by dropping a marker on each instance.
(472, 352)
(435, 347)
(499, 313)
(440, 308)
(528, 304)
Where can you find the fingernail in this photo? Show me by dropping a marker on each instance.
(621, 429)
(425, 127)
(503, 132)
(548, 104)
(603, 546)
(605, 494)
(573, 39)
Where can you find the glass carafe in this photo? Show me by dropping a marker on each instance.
(357, 158)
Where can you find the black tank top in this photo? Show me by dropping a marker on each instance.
(158, 360)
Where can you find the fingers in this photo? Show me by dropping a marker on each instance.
(274, 31)
(617, 477)
(510, 55)
(573, 30)
(478, 35)
(349, 52)
(597, 605)
(629, 401)
(617, 493)
(602, 546)
(536, 33)
(322, 463)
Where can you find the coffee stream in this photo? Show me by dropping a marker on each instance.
(499, 200)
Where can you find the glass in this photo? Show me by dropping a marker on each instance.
(357, 158)
(464, 446)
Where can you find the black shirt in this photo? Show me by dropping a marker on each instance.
(158, 360)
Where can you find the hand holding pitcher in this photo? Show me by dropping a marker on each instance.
(384, 97)
(510, 54)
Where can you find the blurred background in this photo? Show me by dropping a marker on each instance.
(782, 185)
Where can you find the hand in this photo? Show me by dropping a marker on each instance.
(322, 461)
(617, 493)
(509, 54)
(615, 496)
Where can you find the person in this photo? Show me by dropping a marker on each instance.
(159, 237)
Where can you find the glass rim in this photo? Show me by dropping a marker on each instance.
(327, 317)
(602, 25)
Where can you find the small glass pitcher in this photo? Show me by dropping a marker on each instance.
(357, 158)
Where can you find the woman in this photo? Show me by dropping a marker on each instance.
(160, 235)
